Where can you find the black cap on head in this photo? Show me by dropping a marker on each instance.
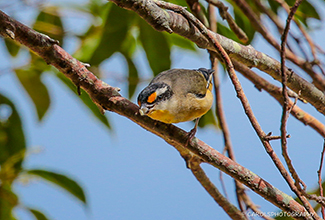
(159, 94)
(206, 73)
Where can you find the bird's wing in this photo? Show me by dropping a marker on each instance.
(182, 81)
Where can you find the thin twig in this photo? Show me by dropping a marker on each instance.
(197, 11)
(319, 172)
(285, 109)
(223, 11)
(214, 65)
(270, 138)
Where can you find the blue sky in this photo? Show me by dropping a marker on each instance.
(129, 173)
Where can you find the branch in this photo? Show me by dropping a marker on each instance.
(200, 175)
(109, 98)
(256, 22)
(246, 55)
(276, 93)
(223, 11)
(285, 113)
(319, 174)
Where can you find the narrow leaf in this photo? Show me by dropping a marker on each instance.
(92, 37)
(8, 200)
(225, 31)
(305, 10)
(61, 180)
(116, 27)
(181, 42)
(208, 119)
(37, 214)
(12, 47)
(37, 91)
(133, 76)
(156, 47)
(89, 44)
(49, 22)
(244, 23)
(12, 138)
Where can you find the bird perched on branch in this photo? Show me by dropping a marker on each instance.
(178, 95)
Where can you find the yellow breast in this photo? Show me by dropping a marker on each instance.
(163, 116)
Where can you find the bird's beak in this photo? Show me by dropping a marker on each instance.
(143, 110)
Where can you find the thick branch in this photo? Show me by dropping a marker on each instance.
(108, 97)
(243, 54)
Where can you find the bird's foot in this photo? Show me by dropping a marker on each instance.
(191, 135)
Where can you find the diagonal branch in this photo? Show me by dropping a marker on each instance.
(223, 11)
(109, 98)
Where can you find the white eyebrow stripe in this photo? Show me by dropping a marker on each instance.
(161, 90)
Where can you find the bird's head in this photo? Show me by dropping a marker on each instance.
(154, 97)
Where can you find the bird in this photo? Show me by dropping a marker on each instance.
(178, 95)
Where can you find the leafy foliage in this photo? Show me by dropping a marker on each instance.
(63, 181)
(37, 91)
(156, 47)
(38, 215)
(12, 139)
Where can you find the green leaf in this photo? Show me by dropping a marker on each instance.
(225, 31)
(178, 2)
(133, 78)
(8, 200)
(116, 27)
(12, 139)
(37, 214)
(208, 119)
(91, 39)
(96, 8)
(12, 47)
(305, 10)
(156, 47)
(85, 99)
(181, 42)
(89, 44)
(49, 22)
(129, 45)
(63, 181)
(127, 50)
(31, 80)
(244, 23)
(274, 6)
